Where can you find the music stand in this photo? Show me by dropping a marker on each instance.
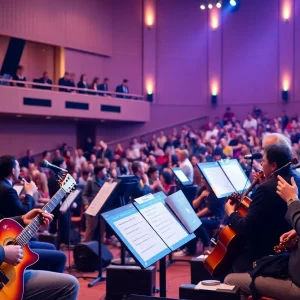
(100, 202)
(66, 206)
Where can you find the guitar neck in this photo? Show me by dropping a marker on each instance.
(30, 230)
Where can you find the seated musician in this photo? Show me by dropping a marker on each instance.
(39, 284)
(210, 211)
(281, 289)
(11, 205)
(265, 221)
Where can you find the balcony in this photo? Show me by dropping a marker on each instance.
(22, 101)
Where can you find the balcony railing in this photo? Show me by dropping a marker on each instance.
(79, 103)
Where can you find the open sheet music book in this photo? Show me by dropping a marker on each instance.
(100, 200)
(150, 229)
(225, 177)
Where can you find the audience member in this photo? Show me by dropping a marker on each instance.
(82, 84)
(104, 151)
(123, 89)
(64, 81)
(19, 76)
(104, 87)
(94, 85)
(44, 80)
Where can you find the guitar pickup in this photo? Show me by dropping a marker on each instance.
(3, 277)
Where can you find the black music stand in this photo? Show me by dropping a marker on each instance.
(66, 207)
(99, 206)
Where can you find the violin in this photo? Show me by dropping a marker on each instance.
(228, 247)
(283, 246)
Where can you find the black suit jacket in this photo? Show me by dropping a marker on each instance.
(264, 223)
(293, 216)
(41, 80)
(108, 153)
(103, 87)
(10, 204)
(81, 85)
(63, 82)
(119, 89)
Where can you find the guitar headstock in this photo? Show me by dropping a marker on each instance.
(67, 183)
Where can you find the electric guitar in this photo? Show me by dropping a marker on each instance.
(12, 233)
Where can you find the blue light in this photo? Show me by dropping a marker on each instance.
(232, 2)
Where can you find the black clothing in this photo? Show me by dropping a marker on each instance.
(263, 224)
(10, 204)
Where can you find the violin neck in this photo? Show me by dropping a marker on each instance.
(250, 188)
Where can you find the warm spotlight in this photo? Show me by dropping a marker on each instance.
(219, 5)
(202, 6)
(232, 2)
(210, 6)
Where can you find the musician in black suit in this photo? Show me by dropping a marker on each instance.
(123, 88)
(10, 203)
(37, 284)
(142, 188)
(265, 221)
(281, 289)
(104, 87)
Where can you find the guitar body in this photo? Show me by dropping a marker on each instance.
(228, 246)
(14, 289)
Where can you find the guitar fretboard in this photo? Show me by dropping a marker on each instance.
(30, 230)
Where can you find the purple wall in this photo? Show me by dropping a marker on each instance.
(126, 59)
(18, 134)
(84, 25)
(252, 45)
(250, 54)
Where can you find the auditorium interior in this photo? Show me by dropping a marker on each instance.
(149, 149)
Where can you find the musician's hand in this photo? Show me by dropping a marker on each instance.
(205, 193)
(13, 254)
(285, 190)
(22, 197)
(288, 235)
(30, 188)
(256, 176)
(229, 207)
(47, 218)
(86, 207)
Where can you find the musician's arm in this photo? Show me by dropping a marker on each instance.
(293, 215)
(255, 215)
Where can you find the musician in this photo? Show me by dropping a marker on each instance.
(10, 204)
(264, 222)
(40, 284)
(288, 289)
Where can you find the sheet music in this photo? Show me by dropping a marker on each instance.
(216, 178)
(235, 174)
(135, 232)
(143, 199)
(163, 221)
(69, 200)
(103, 194)
(184, 211)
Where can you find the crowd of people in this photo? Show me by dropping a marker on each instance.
(68, 82)
(150, 161)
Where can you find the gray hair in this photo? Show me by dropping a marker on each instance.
(278, 138)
